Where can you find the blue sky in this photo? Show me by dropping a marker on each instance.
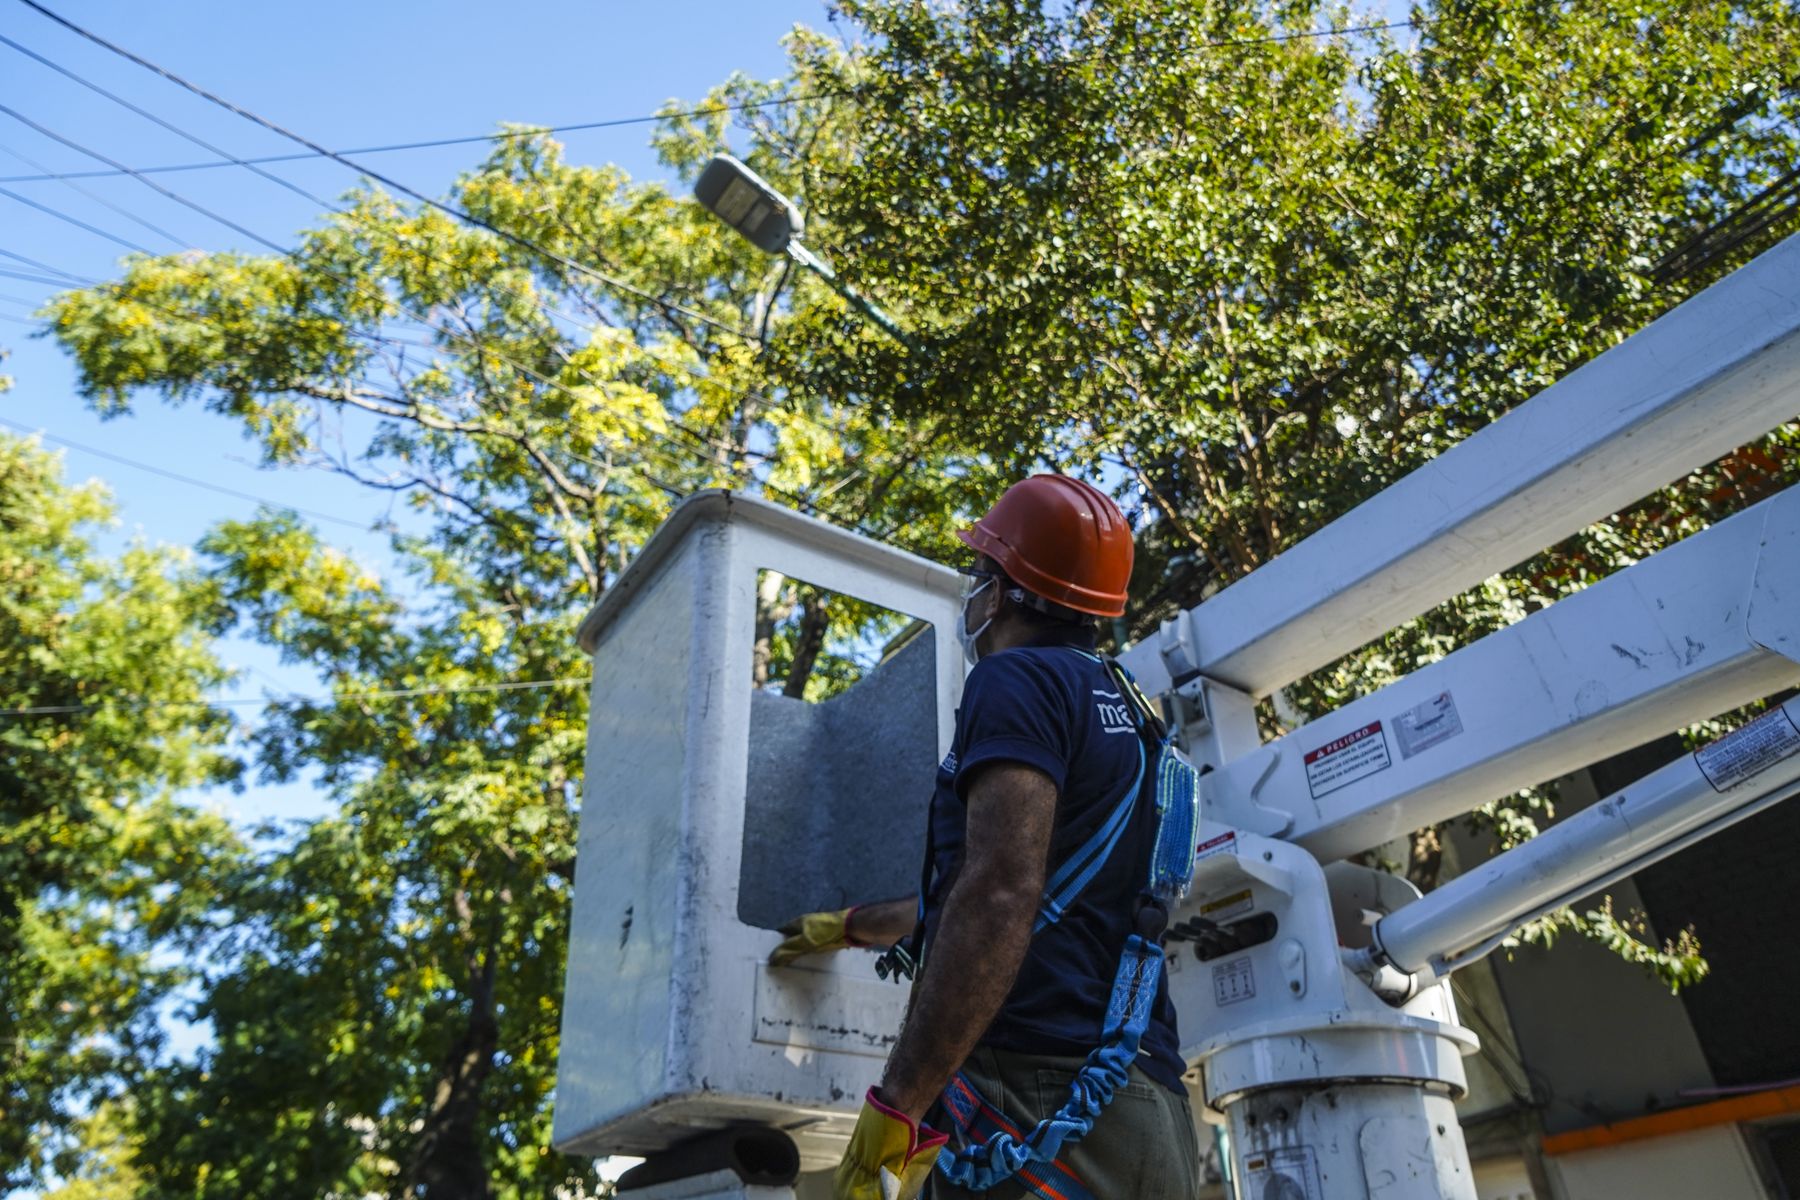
(345, 75)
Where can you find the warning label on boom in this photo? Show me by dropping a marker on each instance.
(1344, 760)
(1424, 726)
(1754, 748)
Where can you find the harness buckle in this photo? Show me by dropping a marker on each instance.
(1152, 919)
(895, 961)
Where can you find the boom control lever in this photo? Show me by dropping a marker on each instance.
(1212, 940)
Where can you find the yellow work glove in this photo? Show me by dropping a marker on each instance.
(813, 934)
(889, 1157)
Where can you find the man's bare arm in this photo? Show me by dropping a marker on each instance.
(982, 934)
(884, 922)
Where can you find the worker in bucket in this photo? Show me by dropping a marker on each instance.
(1033, 1061)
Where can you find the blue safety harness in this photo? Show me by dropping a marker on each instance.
(1000, 1150)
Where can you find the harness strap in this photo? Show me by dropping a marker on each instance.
(1177, 827)
(1006, 1152)
(975, 1120)
(1079, 869)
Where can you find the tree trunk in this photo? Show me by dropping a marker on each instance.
(447, 1162)
(772, 608)
(1426, 858)
(807, 644)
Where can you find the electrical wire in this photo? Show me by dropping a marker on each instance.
(75, 221)
(704, 442)
(42, 266)
(1731, 230)
(179, 477)
(499, 136)
(96, 197)
(448, 209)
(522, 242)
(286, 253)
(195, 205)
(26, 277)
(226, 159)
(518, 685)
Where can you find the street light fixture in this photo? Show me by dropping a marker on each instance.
(772, 223)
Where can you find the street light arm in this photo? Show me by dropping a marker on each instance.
(798, 251)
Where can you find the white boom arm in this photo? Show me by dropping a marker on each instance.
(1709, 376)
(1317, 1014)
(1694, 631)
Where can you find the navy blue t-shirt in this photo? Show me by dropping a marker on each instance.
(1051, 705)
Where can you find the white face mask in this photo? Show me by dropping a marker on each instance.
(964, 634)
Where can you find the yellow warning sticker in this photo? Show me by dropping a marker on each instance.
(1227, 907)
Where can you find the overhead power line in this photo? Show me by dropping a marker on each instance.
(276, 247)
(250, 164)
(27, 277)
(96, 197)
(179, 477)
(449, 689)
(149, 183)
(524, 243)
(498, 136)
(1776, 202)
(705, 445)
(42, 266)
(704, 110)
(28, 202)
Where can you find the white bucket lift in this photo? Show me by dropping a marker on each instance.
(713, 812)
(1311, 993)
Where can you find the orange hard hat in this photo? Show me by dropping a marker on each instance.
(1061, 539)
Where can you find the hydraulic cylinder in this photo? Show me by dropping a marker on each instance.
(1628, 830)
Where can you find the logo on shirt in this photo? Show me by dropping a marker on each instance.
(1114, 713)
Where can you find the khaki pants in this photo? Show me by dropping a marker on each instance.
(1142, 1146)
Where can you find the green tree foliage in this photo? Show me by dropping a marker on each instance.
(388, 1017)
(1246, 277)
(1265, 275)
(386, 1001)
(1257, 275)
(102, 1168)
(103, 873)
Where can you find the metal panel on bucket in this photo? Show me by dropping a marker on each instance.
(694, 844)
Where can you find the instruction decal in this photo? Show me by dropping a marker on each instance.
(1290, 1173)
(1426, 725)
(1759, 745)
(1234, 981)
(1344, 760)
